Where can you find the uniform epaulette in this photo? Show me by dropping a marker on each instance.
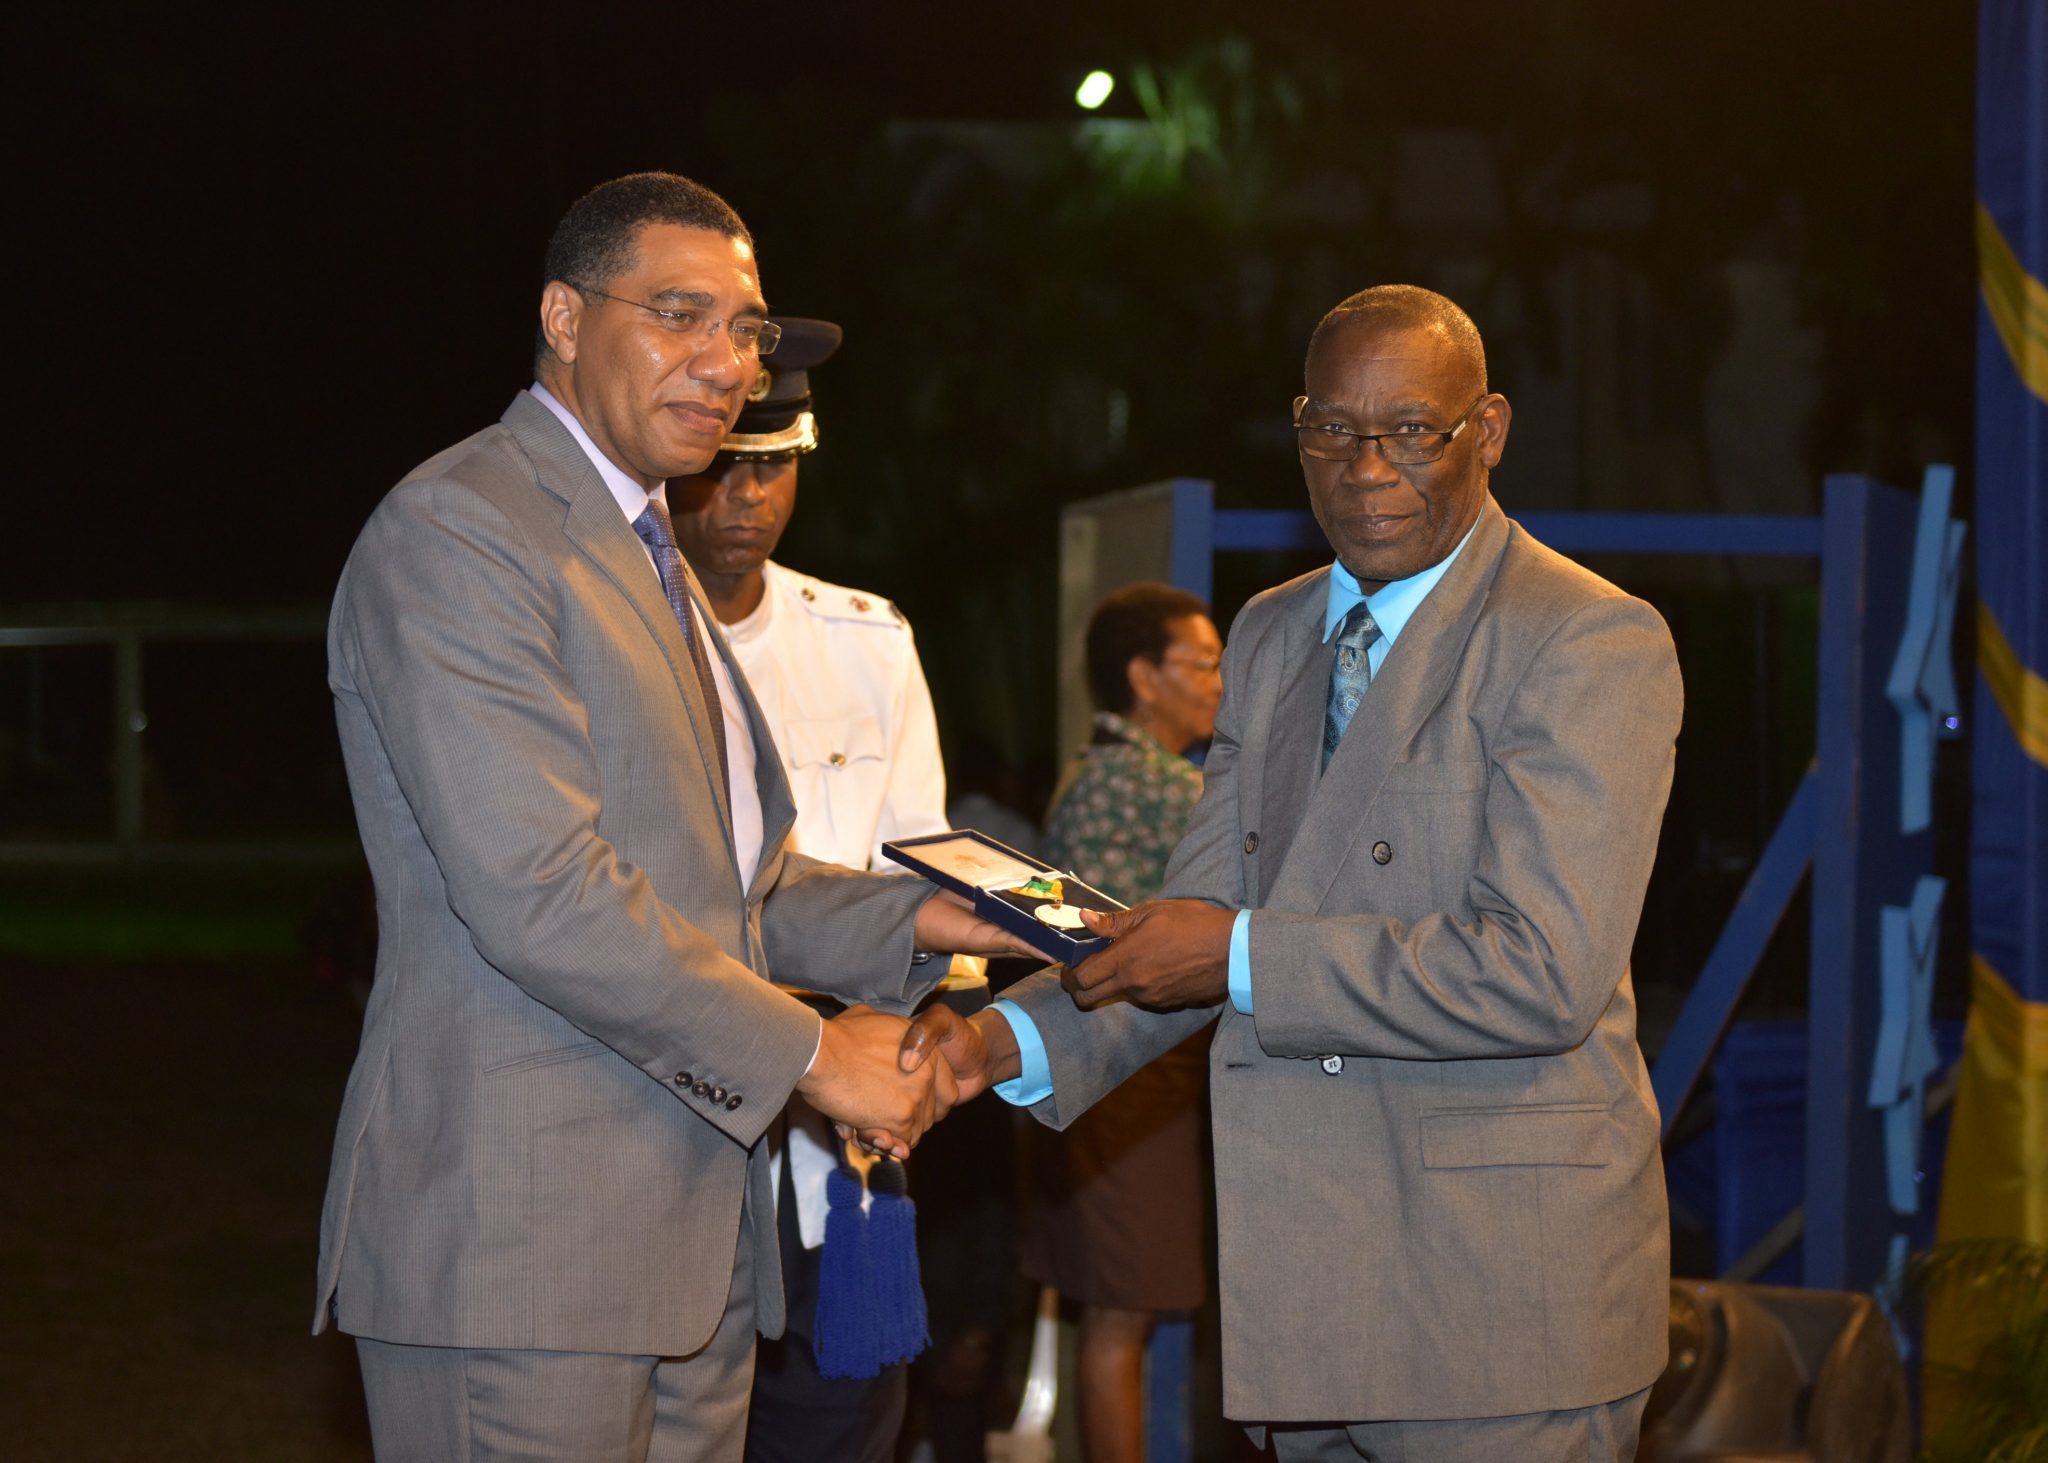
(837, 602)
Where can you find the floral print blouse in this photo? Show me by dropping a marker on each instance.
(1121, 806)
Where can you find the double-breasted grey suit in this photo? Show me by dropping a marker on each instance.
(1464, 1216)
(549, 1137)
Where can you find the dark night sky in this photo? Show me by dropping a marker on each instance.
(276, 260)
(273, 260)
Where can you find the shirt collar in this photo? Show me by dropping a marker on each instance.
(749, 628)
(632, 498)
(1129, 731)
(1393, 604)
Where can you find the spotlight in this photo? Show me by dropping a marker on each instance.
(1094, 89)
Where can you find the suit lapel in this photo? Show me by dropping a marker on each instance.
(1410, 685)
(771, 784)
(596, 526)
(1294, 746)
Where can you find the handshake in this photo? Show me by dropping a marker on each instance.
(884, 1081)
(876, 1077)
(870, 1074)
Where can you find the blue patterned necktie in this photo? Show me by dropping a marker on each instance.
(659, 535)
(1350, 675)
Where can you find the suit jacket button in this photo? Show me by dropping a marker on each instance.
(718, 1094)
(683, 1079)
(1382, 853)
(1333, 1065)
(702, 1088)
(1251, 843)
(732, 1104)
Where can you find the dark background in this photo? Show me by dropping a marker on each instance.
(266, 261)
(273, 260)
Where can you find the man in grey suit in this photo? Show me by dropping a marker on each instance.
(1409, 890)
(549, 1223)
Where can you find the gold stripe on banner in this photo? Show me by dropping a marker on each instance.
(2017, 301)
(2020, 693)
(1996, 1183)
(1997, 1168)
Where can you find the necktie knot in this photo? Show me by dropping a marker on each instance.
(654, 527)
(1358, 629)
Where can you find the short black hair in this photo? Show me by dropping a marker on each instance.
(596, 238)
(1132, 621)
(1409, 307)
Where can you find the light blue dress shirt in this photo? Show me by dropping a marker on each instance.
(1391, 608)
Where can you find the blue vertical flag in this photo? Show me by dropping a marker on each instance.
(1997, 1171)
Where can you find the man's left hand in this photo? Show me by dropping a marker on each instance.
(1167, 954)
(946, 922)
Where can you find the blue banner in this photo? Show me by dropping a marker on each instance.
(1997, 1179)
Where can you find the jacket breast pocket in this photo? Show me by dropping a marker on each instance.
(1435, 777)
(1425, 831)
(1570, 1135)
(832, 744)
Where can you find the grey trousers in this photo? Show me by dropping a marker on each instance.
(437, 1404)
(1602, 1434)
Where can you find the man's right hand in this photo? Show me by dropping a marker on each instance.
(980, 1052)
(858, 1081)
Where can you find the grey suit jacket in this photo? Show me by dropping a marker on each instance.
(1468, 1218)
(549, 1137)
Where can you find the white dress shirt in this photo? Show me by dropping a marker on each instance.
(741, 792)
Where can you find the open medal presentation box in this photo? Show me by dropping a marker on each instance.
(1029, 898)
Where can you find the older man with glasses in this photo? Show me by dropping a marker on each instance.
(1409, 893)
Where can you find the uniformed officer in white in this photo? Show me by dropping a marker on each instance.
(837, 674)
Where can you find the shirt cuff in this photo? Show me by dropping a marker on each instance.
(1033, 1083)
(1241, 962)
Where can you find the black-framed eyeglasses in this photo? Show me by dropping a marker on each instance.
(1201, 665)
(1328, 442)
(748, 337)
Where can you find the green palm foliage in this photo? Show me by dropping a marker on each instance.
(1994, 1294)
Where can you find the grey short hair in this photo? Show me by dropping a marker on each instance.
(1408, 307)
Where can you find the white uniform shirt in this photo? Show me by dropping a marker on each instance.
(837, 675)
